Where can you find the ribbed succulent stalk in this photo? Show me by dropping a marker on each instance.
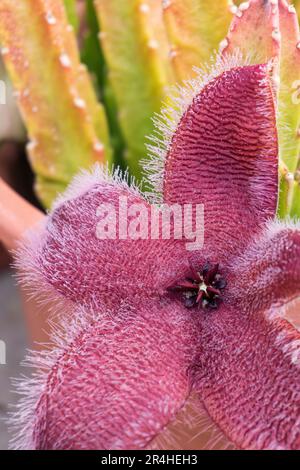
(195, 29)
(71, 9)
(66, 125)
(11, 128)
(269, 31)
(92, 55)
(297, 5)
(289, 99)
(136, 49)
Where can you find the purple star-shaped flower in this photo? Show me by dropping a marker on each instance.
(148, 323)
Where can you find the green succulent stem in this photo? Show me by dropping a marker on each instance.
(295, 206)
(286, 189)
(66, 124)
(71, 9)
(136, 51)
(92, 55)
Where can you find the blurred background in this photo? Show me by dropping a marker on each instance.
(15, 170)
(14, 333)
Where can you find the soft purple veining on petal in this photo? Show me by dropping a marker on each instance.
(97, 273)
(247, 373)
(268, 272)
(224, 155)
(120, 381)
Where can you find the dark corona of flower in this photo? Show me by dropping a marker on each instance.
(202, 288)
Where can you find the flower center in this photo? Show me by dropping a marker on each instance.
(202, 287)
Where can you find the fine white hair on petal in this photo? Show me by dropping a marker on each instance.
(22, 418)
(276, 225)
(267, 241)
(263, 238)
(28, 272)
(50, 302)
(167, 121)
(191, 425)
(27, 255)
(98, 174)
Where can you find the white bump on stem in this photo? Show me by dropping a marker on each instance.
(79, 103)
(276, 35)
(65, 60)
(4, 50)
(98, 147)
(233, 9)
(244, 6)
(223, 44)
(166, 4)
(32, 145)
(144, 8)
(173, 52)
(50, 19)
(153, 44)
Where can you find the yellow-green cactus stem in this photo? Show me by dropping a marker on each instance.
(66, 125)
(11, 126)
(71, 9)
(92, 55)
(295, 205)
(286, 188)
(289, 102)
(297, 6)
(195, 29)
(268, 31)
(136, 50)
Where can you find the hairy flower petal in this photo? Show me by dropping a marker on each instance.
(224, 154)
(247, 375)
(136, 354)
(69, 255)
(116, 384)
(267, 275)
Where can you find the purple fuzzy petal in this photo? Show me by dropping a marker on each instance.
(118, 382)
(268, 273)
(69, 257)
(248, 367)
(247, 375)
(224, 154)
